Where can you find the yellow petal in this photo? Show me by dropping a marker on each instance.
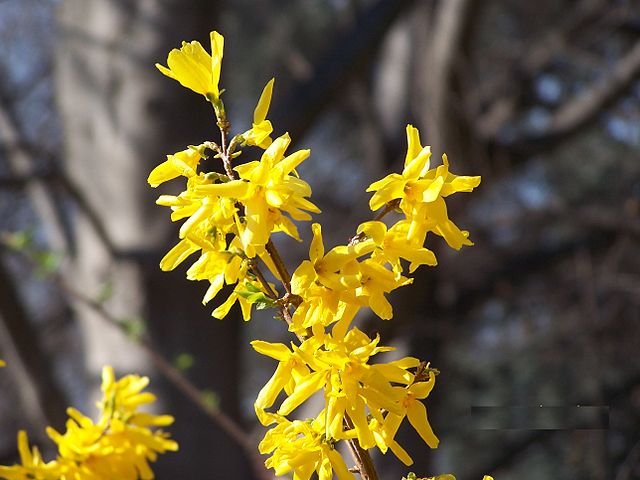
(217, 50)
(417, 415)
(302, 392)
(400, 452)
(316, 250)
(268, 394)
(373, 229)
(277, 351)
(260, 113)
(178, 254)
(223, 309)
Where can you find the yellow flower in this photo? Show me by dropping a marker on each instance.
(301, 446)
(420, 192)
(194, 68)
(2, 363)
(266, 189)
(415, 411)
(394, 243)
(31, 464)
(259, 133)
(407, 185)
(375, 281)
(338, 364)
(182, 163)
(119, 445)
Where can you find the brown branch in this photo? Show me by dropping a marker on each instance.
(529, 60)
(350, 52)
(283, 273)
(365, 466)
(575, 113)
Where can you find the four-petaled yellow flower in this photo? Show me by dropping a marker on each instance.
(301, 446)
(196, 69)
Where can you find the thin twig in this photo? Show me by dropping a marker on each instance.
(388, 208)
(365, 465)
(283, 273)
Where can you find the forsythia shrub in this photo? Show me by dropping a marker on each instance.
(229, 219)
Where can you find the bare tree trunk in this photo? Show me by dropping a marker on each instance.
(121, 117)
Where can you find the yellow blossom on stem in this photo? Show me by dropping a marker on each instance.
(301, 446)
(338, 365)
(415, 411)
(266, 190)
(260, 131)
(229, 220)
(420, 192)
(183, 163)
(196, 69)
(393, 243)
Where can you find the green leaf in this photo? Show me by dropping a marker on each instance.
(106, 292)
(257, 298)
(211, 399)
(184, 361)
(134, 327)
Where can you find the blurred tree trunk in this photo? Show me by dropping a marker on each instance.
(121, 117)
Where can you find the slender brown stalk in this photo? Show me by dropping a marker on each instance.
(388, 208)
(283, 273)
(364, 463)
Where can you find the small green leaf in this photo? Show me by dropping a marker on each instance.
(211, 399)
(46, 263)
(257, 298)
(184, 361)
(252, 288)
(106, 292)
(134, 327)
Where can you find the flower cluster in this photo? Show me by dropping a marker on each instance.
(120, 444)
(230, 217)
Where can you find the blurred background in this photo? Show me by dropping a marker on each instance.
(535, 329)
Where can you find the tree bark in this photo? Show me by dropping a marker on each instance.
(121, 117)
